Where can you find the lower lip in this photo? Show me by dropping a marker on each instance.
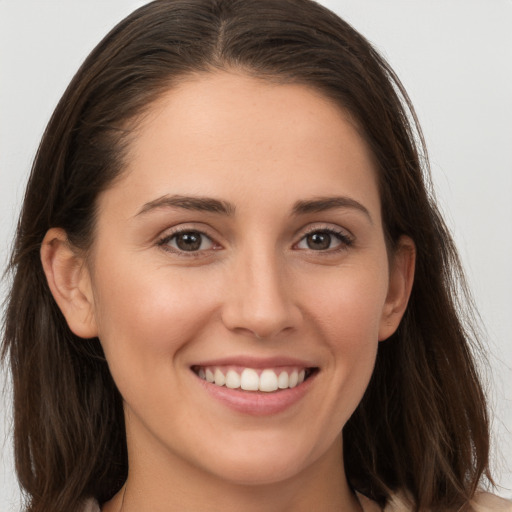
(258, 403)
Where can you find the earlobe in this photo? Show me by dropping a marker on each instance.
(401, 279)
(69, 282)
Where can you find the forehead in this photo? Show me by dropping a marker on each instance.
(215, 133)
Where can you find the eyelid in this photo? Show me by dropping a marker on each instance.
(168, 234)
(344, 235)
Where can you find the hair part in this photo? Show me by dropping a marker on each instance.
(422, 426)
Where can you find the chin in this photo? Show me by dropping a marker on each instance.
(262, 462)
(257, 473)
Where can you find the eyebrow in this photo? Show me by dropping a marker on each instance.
(208, 204)
(202, 204)
(322, 204)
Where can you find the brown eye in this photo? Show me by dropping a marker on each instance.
(324, 240)
(319, 241)
(188, 241)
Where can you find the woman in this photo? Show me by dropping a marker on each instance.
(231, 288)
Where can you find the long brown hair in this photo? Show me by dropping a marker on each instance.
(422, 426)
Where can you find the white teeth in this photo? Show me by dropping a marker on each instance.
(249, 380)
(220, 380)
(294, 379)
(268, 381)
(283, 380)
(232, 380)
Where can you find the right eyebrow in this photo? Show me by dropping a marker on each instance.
(197, 203)
(322, 204)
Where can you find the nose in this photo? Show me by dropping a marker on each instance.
(259, 298)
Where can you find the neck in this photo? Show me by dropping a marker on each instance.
(166, 486)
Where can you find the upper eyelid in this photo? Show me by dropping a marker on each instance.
(186, 227)
(323, 226)
(326, 228)
(170, 236)
(342, 236)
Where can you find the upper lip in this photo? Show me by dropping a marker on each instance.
(257, 362)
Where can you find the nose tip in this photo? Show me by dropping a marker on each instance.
(260, 302)
(260, 324)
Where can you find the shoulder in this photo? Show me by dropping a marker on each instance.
(397, 503)
(486, 502)
(482, 502)
(91, 506)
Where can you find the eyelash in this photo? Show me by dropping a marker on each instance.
(164, 241)
(343, 237)
(345, 241)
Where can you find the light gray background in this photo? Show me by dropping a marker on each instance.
(455, 59)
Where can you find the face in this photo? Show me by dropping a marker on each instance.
(243, 245)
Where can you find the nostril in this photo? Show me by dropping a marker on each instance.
(260, 304)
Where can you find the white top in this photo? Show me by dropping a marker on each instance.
(483, 502)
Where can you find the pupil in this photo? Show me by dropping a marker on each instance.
(319, 241)
(189, 241)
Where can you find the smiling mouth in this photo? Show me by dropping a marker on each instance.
(267, 380)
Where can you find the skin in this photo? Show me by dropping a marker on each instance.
(255, 288)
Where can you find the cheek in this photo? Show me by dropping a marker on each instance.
(348, 303)
(347, 313)
(144, 321)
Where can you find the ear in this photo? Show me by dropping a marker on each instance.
(69, 282)
(401, 278)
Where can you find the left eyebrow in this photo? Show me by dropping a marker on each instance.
(322, 204)
(204, 204)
